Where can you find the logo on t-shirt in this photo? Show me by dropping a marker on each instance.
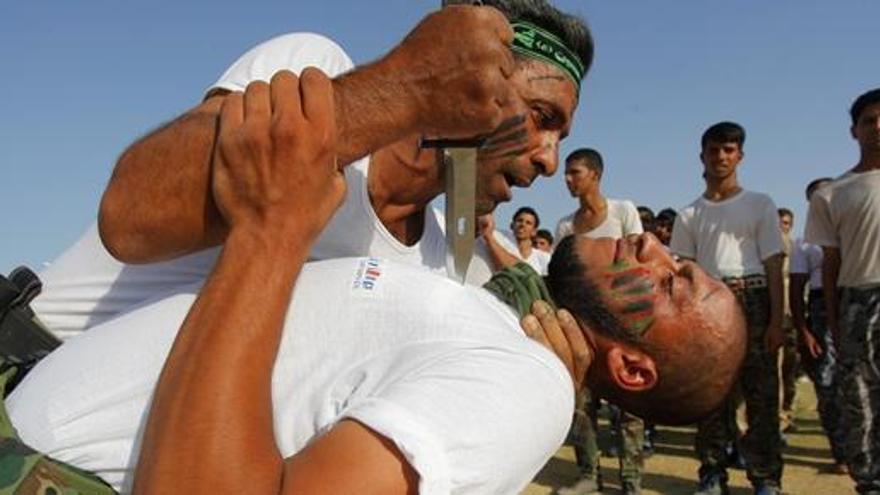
(367, 276)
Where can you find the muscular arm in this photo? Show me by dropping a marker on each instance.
(157, 204)
(830, 272)
(210, 428)
(775, 285)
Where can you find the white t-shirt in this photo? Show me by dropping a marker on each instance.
(622, 220)
(806, 258)
(482, 267)
(728, 238)
(86, 285)
(442, 370)
(846, 214)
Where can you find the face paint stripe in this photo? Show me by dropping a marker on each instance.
(638, 306)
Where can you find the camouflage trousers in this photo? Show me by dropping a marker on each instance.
(584, 437)
(759, 387)
(822, 372)
(858, 376)
(790, 365)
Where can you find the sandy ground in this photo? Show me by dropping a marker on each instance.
(672, 469)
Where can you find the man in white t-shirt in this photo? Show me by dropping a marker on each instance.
(373, 376)
(817, 348)
(158, 206)
(597, 217)
(734, 235)
(844, 219)
(508, 249)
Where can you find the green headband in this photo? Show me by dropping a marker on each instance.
(533, 41)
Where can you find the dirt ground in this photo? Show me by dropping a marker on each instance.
(672, 469)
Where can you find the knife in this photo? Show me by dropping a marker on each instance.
(458, 157)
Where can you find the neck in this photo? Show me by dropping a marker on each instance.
(868, 161)
(719, 189)
(402, 181)
(525, 247)
(592, 201)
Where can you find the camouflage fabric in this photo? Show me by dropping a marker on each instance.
(822, 371)
(24, 471)
(759, 385)
(628, 434)
(519, 286)
(790, 365)
(859, 385)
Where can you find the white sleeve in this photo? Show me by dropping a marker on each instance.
(820, 229)
(799, 260)
(293, 52)
(683, 243)
(475, 420)
(632, 223)
(769, 236)
(563, 228)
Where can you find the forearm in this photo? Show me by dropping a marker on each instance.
(775, 286)
(796, 287)
(830, 272)
(158, 203)
(501, 258)
(214, 394)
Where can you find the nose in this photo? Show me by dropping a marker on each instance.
(649, 248)
(546, 157)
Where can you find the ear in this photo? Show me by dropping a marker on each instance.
(630, 369)
(852, 131)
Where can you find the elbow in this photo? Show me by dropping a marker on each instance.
(116, 228)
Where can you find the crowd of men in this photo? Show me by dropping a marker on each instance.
(203, 352)
(743, 239)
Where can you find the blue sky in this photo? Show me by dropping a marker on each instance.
(83, 79)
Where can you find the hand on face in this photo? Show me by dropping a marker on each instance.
(560, 333)
(457, 62)
(274, 164)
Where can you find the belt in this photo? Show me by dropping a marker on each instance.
(747, 282)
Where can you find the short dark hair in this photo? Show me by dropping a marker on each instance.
(814, 184)
(785, 212)
(724, 132)
(591, 158)
(545, 234)
(571, 29)
(531, 211)
(646, 215)
(864, 100)
(666, 215)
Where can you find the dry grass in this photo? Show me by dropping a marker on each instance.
(672, 470)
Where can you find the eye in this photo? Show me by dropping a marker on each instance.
(668, 283)
(544, 118)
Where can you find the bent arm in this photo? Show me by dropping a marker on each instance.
(158, 205)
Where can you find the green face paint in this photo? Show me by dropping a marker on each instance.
(633, 290)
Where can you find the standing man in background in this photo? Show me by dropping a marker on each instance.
(596, 217)
(844, 219)
(817, 349)
(790, 363)
(523, 227)
(748, 258)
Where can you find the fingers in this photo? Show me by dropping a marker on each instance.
(285, 95)
(559, 333)
(231, 114)
(580, 349)
(318, 103)
(257, 105)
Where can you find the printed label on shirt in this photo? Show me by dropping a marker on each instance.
(368, 276)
